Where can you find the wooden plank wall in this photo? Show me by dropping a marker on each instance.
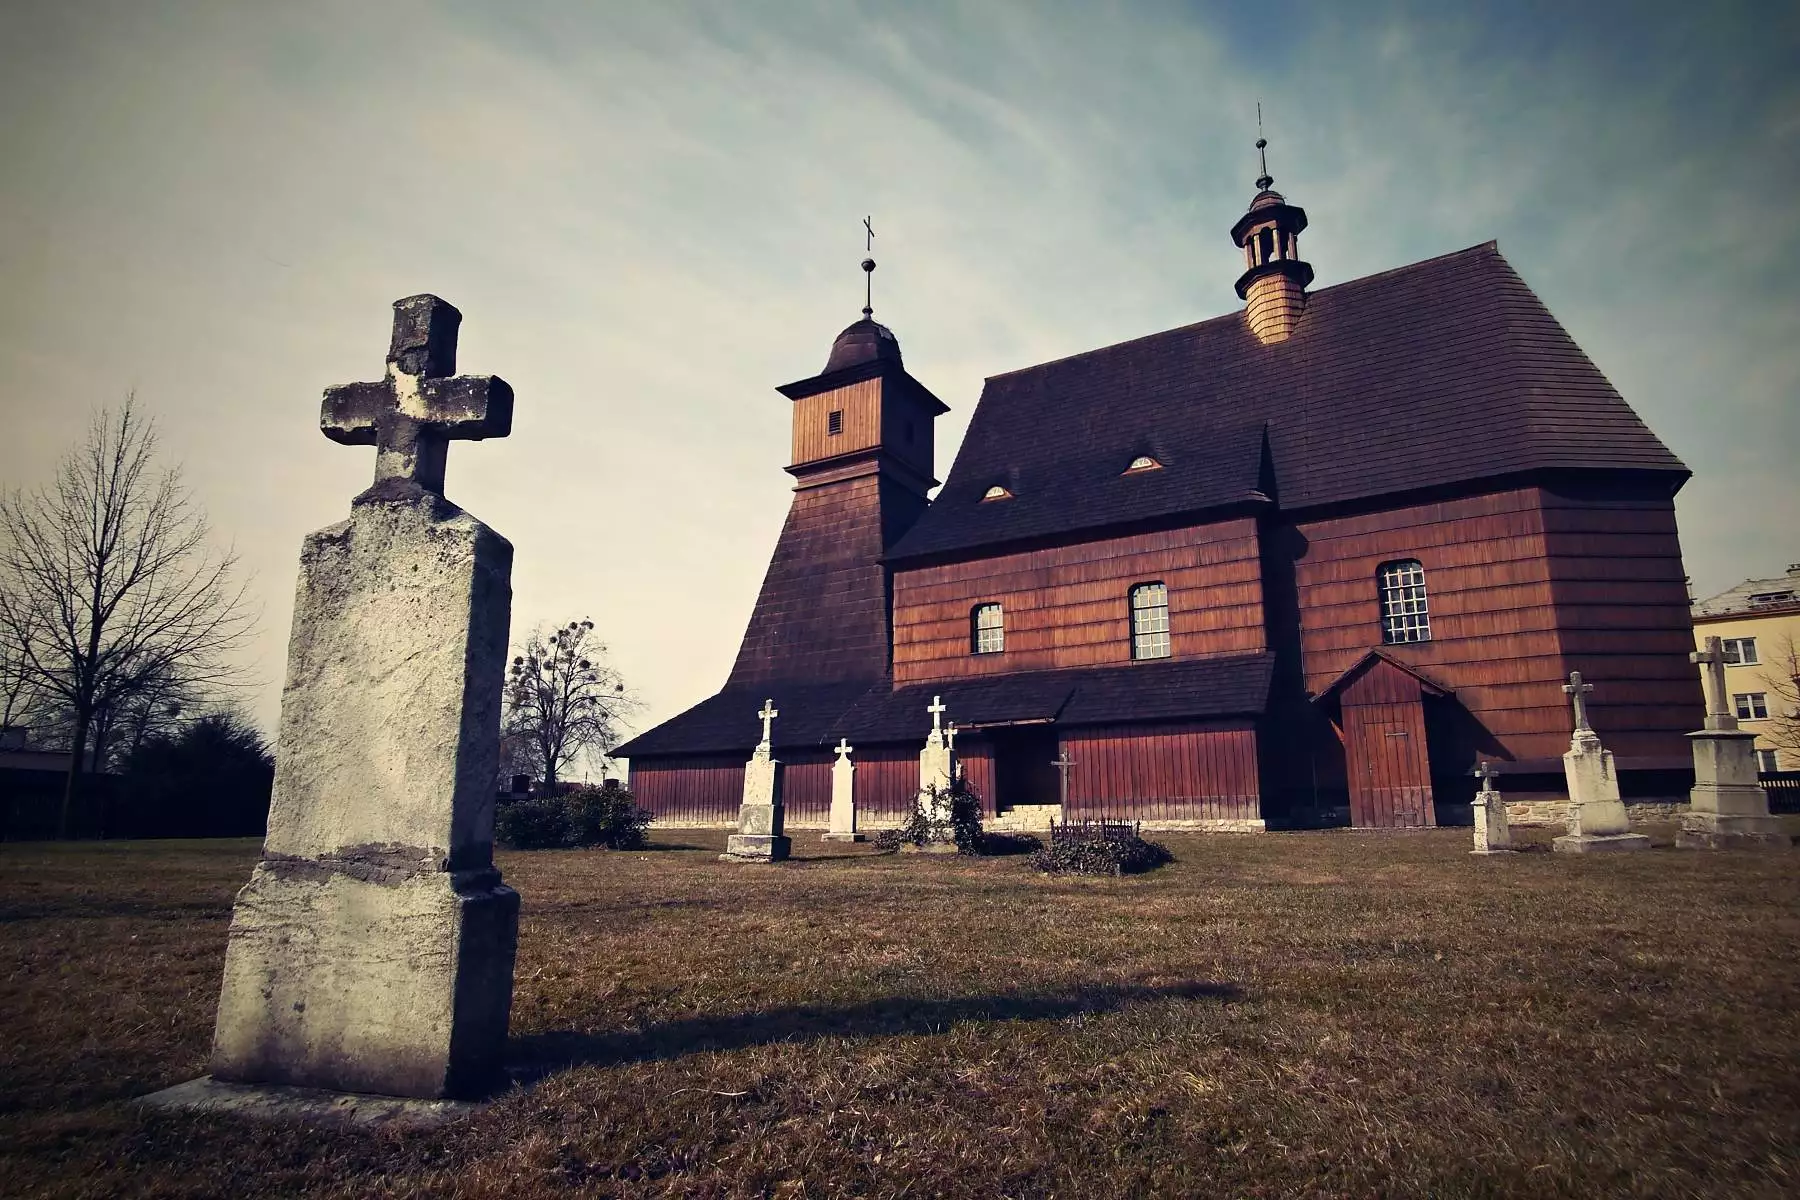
(976, 755)
(1621, 601)
(1389, 771)
(696, 790)
(708, 790)
(1068, 606)
(1164, 772)
(861, 405)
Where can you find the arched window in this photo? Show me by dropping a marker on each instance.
(1405, 616)
(987, 629)
(1150, 621)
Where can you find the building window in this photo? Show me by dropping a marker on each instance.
(1740, 652)
(1771, 597)
(996, 493)
(1143, 462)
(834, 422)
(987, 629)
(1751, 706)
(1150, 621)
(1765, 762)
(1404, 613)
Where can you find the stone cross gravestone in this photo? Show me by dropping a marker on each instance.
(843, 796)
(935, 766)
(1728, 807)
(761, 817)
(1597, 818)
(1492, 833)
(372, 950)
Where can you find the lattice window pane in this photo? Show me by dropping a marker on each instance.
(1405, 615)
(990, 629)
(1150, 621)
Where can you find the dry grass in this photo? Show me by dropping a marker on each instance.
(1294, 1015)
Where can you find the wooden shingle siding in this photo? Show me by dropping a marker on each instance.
(1165, 772)
(861, 405)
(695, 790)
(1067, 606)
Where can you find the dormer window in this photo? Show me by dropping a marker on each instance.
(997, 492)
(1143, 462)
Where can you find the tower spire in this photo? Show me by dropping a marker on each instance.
(1265, 180)
(868, 266)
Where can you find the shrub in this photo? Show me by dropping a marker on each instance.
(606, 815)
(962, 826)
(1104, 853)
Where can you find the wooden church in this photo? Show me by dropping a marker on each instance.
(1309, 559)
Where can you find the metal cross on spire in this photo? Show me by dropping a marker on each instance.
(412, 415)
(1264, 181)
(868, 266)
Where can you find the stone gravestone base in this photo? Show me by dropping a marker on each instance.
(761, 818)
(1492, 834)
(310, 1106)
(1728, 809)
(1597, 820)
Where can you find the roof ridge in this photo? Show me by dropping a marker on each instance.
(1237, 314)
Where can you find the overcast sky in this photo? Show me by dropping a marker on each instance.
(650, 214)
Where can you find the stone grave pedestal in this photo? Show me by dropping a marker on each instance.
(1728, 808)
(1493, 835)
(1597, 820)
(843, 797)
(761, 819)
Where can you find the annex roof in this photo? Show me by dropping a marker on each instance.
(1444, 372)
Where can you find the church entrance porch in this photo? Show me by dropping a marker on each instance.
(1387, 754)
(1024, 776)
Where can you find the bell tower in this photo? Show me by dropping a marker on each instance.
(862, 462)
(1273, 285)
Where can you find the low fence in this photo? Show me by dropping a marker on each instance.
(1784, 790)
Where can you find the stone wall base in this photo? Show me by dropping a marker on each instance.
(1556, 812)
(1716, 831)
(345, 975)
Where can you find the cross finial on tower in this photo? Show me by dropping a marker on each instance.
(868, 266)
(1265, 180)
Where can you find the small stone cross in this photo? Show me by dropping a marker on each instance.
(1062, 763)
(950, 736)
(1578, 691)
(1712, 662)
(1486, 774)
(413, 415)
(768, 714)
(937, 710)
(844, 748)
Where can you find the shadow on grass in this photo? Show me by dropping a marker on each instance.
(536, 1056)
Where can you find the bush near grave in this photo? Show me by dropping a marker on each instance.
(963, 825)
(607, 816)
(1099, 848)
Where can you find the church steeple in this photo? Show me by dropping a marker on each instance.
(1273, 285)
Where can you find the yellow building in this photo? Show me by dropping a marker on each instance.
(1759, 620)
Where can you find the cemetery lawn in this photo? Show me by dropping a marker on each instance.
(1310, 1014)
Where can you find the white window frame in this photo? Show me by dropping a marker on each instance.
(1405, 602)
(1746, 705)
(1734, 649)
(1150, 636)
(987, 637)
(1767, 763)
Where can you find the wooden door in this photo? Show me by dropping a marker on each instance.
(1389, 770)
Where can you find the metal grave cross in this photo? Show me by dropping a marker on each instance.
(843, 748)
(1579, 692)
(413, 415)
(937, 710)
(769, 713)
(1712, 663)
(1062, 763)
(1486, 774)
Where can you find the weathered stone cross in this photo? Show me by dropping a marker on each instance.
(769, 713)
(950, 735)
(844, 747)
(1712, 660)
(1486, 774)
(1579, 692)
(413, 415)
(937, 710)
(1062, 763)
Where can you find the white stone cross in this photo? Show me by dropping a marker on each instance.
(768, 714)
(937, 710)
(950, 736)
(413, 415)
(844, 748)
(1486, 774)
(1712, 662)
(1579, 692)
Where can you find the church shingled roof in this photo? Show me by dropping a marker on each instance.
(1441, 373)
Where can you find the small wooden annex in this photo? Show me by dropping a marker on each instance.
(1314, 557)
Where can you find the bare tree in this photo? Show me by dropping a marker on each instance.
(109, 588)
(563, 701)
(1781, 673)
